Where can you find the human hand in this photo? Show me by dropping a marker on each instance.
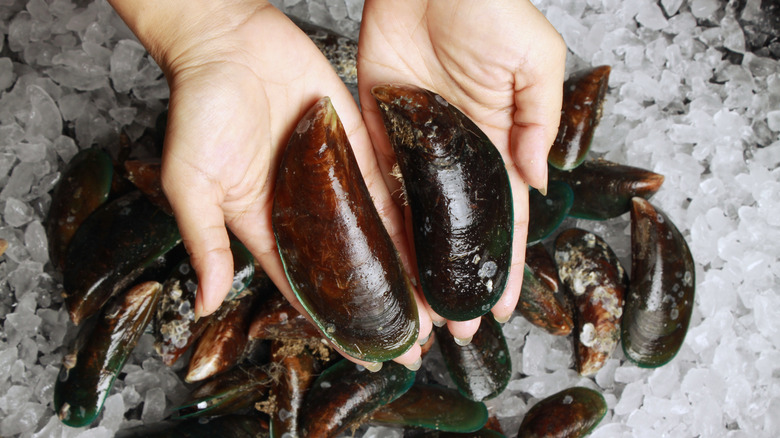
(499, 62)
(241, 75)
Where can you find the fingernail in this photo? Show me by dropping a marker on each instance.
(439, 323)
(463, 341)
(543, 189)
(414, 366)
(502, 319)
(198, 310)
(423, 341)
(373, 366)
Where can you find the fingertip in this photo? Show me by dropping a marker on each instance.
(411, 358)
(464, 330)
(215, 276)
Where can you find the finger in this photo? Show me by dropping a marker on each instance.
(537, 115)
(463, 331)
(506, 305)
(201, 223)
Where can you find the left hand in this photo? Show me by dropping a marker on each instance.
(500, 62)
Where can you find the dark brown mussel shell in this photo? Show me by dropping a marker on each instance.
(583, 98)
(597, 283)
(277, 319)
(603, 189)
(482, 369)
(571, 413)
(460, 199)
(87, 375)
(542, 265)
(481, 433)
(175, 325)
(660, 299)
(544, 307)
(231, 392)
(345, 393)
(146, 175)
(227, 426)
(297, 372)
(433, 407)
(338, 257)
(546, 212)
(223, 343)
(84, 186)
(111, 249)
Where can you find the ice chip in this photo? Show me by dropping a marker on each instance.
(45, 118)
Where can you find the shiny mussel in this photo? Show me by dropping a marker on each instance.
(660, 299)
(459, 194)
(337, 255)
(571, 413)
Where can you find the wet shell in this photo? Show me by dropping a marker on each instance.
(544, 307)
(583, 98)
(86, 376)
(482, 369)
(597, 283)
(346, 392)
(111, 249)
(433, 407)
(228, 426)
(231, 392)
(603, 189)
(542, 265)
(571, 413)
(277, 319)
(146, 175)
(546, 212)
(336, 253)
(297, 374)
(460, 200)
(85, 185)
(660, 299)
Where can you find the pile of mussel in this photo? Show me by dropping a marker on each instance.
(259, 367)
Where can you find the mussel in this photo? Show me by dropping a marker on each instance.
(571, 413)
(458, 191)
(338, 257)
(660, 300)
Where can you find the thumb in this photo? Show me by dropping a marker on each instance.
(196, 204)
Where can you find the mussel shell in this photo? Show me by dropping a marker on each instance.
(228, 426)
(345, 393)
(223, 343)
(84, 186)
(111, 249)
(433, 407)
(542, 265)
(277, 319)
(660, 299)
(482, 369)
(544, 307)
(481, 433)
(83, 386)
(571, 413)
(597, 283)
(338, 257)
(583, 98)
(458, 191)
(146, 175)
(546, 212)
(231, 392)
(297, 374)
(603, 189)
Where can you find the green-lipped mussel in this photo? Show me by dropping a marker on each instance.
(597, 283)
(338, 257)
(544, 307)
(546, 212)
(87, 375)
(659, 303)
(583, 98)
(571, 413)
(458, 191)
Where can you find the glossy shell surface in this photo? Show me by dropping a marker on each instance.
(337, 255)
(660, 300)
(544, 307)
(571, 413)
(458, 191)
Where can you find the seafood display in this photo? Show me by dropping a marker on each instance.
(458, 190)
(258, 367)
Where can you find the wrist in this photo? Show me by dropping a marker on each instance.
(176, 30)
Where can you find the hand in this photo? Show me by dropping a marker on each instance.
(241, 75)
(500, 62)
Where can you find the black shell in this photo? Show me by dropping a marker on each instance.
(660, 299)
(460, 199)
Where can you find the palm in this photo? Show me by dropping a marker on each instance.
(477, 56)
